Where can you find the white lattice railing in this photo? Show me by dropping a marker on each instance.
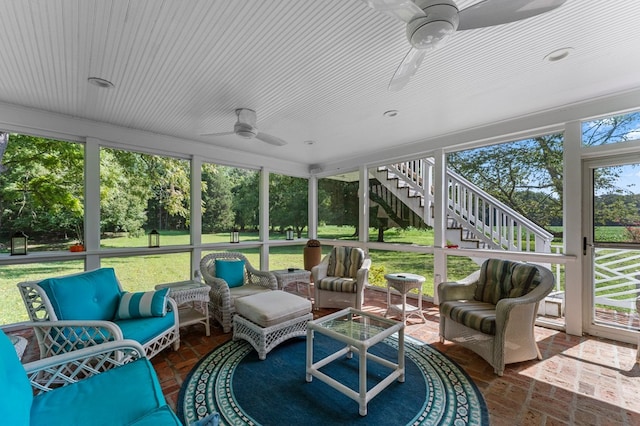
(616, 277)
(489, 220)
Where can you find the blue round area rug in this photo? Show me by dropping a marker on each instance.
(232, 381)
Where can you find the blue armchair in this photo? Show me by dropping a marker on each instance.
(80, 310)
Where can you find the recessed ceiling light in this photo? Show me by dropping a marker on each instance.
(309, 142)
(101, 82)
(558, 55)
(391, 113)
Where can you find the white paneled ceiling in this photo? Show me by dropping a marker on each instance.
(313, 70)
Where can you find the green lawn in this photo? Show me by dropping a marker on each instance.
(139, 273)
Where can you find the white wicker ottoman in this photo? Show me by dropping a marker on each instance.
(267, 319)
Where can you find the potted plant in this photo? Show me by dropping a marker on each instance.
(312, 254)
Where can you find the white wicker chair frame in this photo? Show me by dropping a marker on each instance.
(57, 336)
(64, 369)
(514, 340)
(220, 306)
(338, 299)
(263, 339)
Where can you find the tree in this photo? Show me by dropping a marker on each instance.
(527, 175)
(245, 187)
(217, 199)
(288, 202)
(41, 188)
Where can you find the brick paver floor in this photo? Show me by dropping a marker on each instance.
(580, 381)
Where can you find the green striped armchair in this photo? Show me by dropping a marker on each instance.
(340, 279)
(492, 311)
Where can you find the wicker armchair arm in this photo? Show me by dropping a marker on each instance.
(362, 276)
(57, 337)
(67, 368)
(262, 278)
(320, 270)
(459, 290)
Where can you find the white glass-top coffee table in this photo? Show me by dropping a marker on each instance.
(359, 331)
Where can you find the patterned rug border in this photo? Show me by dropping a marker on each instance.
(227, 356)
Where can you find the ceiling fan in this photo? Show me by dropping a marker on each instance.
(246, 128)
(431, 22)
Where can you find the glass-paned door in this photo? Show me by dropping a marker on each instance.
(612, 246)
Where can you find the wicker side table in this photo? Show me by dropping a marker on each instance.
(192, 298)
(404, 283)
(296, 276)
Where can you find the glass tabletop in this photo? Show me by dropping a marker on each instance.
(356, 325)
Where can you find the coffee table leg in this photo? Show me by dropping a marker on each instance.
(363, 381)
(309, 377)
(401, 354)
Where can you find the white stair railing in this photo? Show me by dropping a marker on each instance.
(489, 220)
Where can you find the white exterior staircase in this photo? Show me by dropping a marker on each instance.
(475, 219)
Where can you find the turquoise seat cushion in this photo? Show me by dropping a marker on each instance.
(480, 316)
(230, 270)
(92, 295)
(143, 330)
(160, 416)
(119, 396)
(15, 403)
(345, 285)
(345, 262)
(142, 304)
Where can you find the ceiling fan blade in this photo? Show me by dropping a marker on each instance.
(407, 69)
(488, 13)
(404, 10)
(270, 139)
(217, 134)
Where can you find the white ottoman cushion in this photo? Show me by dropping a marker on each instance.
(272, 307)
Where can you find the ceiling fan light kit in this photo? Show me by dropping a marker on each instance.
(429, 31)
(431, 22)
(246, 127)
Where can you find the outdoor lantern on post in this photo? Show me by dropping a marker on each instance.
(289, 234)
(18, 243)
(234, 236)
(154, 238)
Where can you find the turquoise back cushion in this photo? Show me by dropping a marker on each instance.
(92, 295)
(15, 403)
(230, 270)
(142, 304)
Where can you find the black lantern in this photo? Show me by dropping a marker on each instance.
(18, 243)
(289, 234)
(234, 236)
(154, 238)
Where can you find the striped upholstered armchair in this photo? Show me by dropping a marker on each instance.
(340, 279)
(492, 312)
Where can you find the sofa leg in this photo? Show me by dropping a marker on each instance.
(441, 339)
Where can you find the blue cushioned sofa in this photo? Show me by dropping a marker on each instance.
(75, 311)
(107, 384)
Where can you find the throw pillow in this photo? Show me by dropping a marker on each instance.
(230, 270)
(143, 304)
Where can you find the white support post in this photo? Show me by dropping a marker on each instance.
(92, 202)
(312, 224)
(264, 219)
(196, 213)
(439, 221)
(363, 194)
(572, 208)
